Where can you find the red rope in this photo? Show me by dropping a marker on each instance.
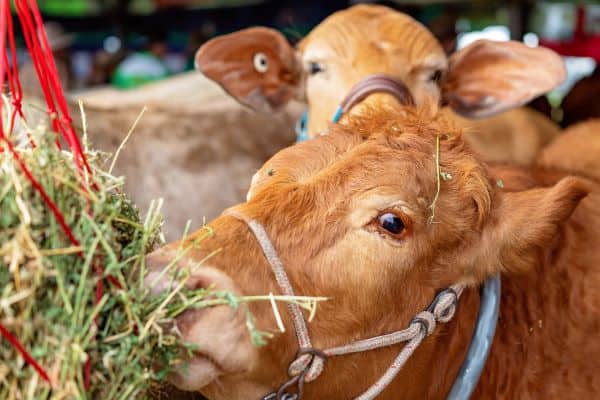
(37, 59)
(87, 373)
(6, 22)
(15, 87)
(57, 214)
(3, 21)
(41, 51)
(4, 17)
(19, 347)
(42, 60)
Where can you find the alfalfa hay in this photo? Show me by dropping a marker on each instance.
(82, 313)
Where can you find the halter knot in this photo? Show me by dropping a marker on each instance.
(309, 362)
(426, 322)
(444, 305)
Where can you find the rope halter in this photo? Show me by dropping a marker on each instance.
(310, 362)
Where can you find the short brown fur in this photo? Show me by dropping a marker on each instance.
(576, 150)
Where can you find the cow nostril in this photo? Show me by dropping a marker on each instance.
(201, 281)
(210, 278)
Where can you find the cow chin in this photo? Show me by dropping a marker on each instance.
(197, 373)
(235, 390)
(219, 373)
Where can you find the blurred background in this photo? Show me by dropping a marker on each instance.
(127, 43)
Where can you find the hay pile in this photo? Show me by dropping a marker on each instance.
(82, 313)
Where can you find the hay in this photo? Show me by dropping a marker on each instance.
(49, 296)
(48, 287)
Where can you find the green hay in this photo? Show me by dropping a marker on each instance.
(47, 288)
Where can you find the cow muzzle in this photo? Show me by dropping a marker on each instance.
(219, 335)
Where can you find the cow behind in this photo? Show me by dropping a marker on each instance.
(324, 203)
(576, 150)
(261, 70)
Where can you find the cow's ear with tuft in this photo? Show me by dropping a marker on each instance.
(521, 224)
(489, 77)
(257, 66)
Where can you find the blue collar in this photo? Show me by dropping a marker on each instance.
(481, 342)
(489, 308)
(301, 127)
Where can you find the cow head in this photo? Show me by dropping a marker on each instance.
(261, 70)
(356, 216)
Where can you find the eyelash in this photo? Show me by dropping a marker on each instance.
(436, 76)
(314, 68)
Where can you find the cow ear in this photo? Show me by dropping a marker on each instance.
(489, 77)
(521, 224)
(257, 66)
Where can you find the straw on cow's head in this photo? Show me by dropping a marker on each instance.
(260, 69)
(354, 217)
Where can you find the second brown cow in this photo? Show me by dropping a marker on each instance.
(260, 69)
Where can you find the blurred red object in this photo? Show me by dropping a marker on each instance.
(582, 44)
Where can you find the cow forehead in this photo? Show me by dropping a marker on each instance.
(373, 29)
(381, 131)
(336, 175)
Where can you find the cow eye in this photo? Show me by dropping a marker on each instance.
(261, 64)
(436, 76)
(314, 68)
(391, 223)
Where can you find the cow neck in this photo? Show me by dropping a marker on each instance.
(310, 361)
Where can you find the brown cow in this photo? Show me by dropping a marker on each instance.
(260, 69)
(576, 150)
(350, 215)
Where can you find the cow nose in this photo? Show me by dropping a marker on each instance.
(158, 279)
(200, 276)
